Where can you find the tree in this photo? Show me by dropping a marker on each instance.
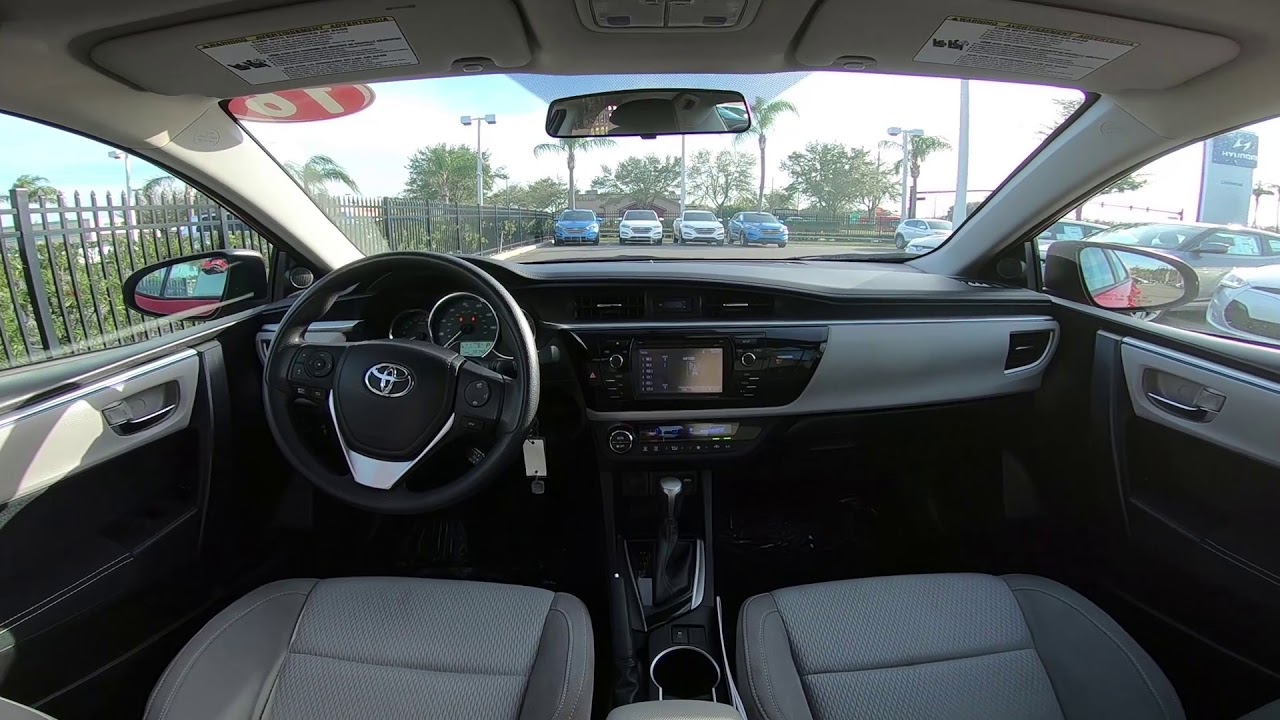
(318, 173)
(829, 174)
(446, 173)
(877, 184)
(764, 119)
(569, 148)
(1259, 190)
(643, 179)
(782, 199)
(720, 180)
(969, 208)
(162, 186)
(37, 187)
(546, 194)
(921, 146)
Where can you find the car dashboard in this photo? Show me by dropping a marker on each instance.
(658, 356)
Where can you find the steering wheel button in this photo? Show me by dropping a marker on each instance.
(477, 393)
(298, 372)
(319, 364)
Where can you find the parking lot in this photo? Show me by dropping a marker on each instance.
(609, 247)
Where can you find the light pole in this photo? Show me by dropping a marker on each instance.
(960, 210)
(479, 120)
(906, 163)
(128, 185)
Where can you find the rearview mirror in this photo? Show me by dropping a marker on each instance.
(1214, 248)
(203, 286)
(1115, 278)
(649, 113)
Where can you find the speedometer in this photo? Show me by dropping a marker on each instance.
(465, 323)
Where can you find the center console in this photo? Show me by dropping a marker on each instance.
(697, 368)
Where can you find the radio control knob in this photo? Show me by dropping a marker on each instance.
(621, 440)
(616, 361)
(748, 359)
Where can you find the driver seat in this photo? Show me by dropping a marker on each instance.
(385, 648)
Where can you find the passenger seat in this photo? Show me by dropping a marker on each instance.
(944, 646)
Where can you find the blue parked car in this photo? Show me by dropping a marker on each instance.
(757, 228)
(577, 227)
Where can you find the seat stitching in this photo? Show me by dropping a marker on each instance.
(288, 648)
(568, 664)
(406, 667)
(764, 666)
(746, 648)
(178, 683)
(1146, 680)
(919, 664)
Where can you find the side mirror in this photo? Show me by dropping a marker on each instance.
(203, 286)
(1214, 248)
(1118, 278)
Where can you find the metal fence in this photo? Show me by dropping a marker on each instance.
(80, 250)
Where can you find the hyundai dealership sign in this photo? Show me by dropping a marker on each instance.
(1226, 182)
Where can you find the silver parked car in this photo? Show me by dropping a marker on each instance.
(909, 230)
(1246, 304)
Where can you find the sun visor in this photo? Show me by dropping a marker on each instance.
(1010, 41)
(317, 43)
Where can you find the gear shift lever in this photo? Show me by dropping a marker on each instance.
(668, 577)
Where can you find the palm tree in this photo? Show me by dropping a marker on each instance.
(764, 117)
(37, 187)
(317, 173)
(1260, 190)
(161, 186)
(922, 146)
(570, 147)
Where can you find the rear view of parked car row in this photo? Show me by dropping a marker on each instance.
(582, 227)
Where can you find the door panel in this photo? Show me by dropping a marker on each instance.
(72, 433)
(100, 504)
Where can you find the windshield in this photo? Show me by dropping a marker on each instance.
(394, 165)
(700, 216)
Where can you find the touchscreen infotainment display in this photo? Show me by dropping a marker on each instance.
(680, 371)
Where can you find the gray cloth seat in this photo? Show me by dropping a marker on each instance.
(942, 646)
(385, 648)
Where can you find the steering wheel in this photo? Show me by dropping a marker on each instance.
(395, 402)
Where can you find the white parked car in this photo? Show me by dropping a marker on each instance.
(698, 226)
(640, 226)
(909, 230)
(1246, 304)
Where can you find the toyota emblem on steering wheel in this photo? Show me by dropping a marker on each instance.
(388, 380)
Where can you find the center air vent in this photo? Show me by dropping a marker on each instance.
(609, 306)
(737, 305)
(1026, 348)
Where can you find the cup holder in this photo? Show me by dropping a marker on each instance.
(684, 672)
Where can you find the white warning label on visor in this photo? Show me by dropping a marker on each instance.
(1016, 48)
(330, 49)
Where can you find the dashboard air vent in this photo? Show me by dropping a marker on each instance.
(1026, 348)
(737, 305)
(609, 306)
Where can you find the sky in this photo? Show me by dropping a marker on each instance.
(1006, 125)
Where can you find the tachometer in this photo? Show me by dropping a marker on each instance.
(465, 323)
(411, 325)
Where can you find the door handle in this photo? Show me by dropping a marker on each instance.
(1194, 413)
(134, 425)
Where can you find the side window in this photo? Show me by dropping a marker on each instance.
(1214, 207)
(1098, 271)
(77, 217)
(1237, 244)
